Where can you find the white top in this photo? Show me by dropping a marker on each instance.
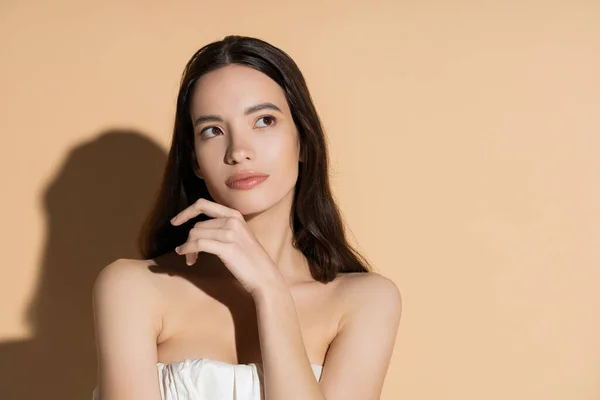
(204, 379)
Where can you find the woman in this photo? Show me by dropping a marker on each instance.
(249, 288)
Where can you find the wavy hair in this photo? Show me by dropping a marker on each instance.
(318, 229)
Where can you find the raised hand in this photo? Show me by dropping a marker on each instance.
(227, 236)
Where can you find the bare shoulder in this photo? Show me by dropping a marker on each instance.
(355, 368)
(124, 272)
(126, 280)
(127, 319)
(369, 284)
(367, 290)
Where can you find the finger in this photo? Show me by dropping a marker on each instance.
(212, 223)
(216, 223)
(207, 245)
(190, 259)
(205, 206)
(222, 235)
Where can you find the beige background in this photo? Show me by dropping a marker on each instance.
(464, 140)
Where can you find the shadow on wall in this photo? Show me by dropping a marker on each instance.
(94, 209)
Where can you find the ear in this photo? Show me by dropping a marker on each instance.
(300, 152)
(198, 173)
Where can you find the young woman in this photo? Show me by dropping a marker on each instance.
(248, 288)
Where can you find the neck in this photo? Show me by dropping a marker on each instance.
(272, 228)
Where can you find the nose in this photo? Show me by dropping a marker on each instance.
(239, 149)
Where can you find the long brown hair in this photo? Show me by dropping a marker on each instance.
(315, 218)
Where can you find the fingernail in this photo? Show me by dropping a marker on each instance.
(173, 219)
(177, 249)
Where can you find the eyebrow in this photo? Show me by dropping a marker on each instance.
(249, 110)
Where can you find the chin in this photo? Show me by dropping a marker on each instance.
(245, 203)
(250, 202)
(250, 208)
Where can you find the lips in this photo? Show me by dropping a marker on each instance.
(245, 180)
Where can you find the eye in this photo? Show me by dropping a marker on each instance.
(208, 129)
(269, 120)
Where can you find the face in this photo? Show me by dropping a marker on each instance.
(242, 123)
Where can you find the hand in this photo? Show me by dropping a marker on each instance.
(227, 236)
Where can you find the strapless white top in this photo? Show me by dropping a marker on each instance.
(204, 379)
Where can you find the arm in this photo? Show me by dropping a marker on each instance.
(127, 324)
(358, 357)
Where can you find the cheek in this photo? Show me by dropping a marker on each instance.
(206, 156)
(285, 160)
(283, 149)
(207, 160)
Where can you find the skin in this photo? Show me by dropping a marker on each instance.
(243, 293)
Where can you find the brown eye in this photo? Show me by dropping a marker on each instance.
(267, 120)
(209, 130)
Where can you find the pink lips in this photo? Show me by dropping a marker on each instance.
(246, 180)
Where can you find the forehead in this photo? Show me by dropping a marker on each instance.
(233, 88)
